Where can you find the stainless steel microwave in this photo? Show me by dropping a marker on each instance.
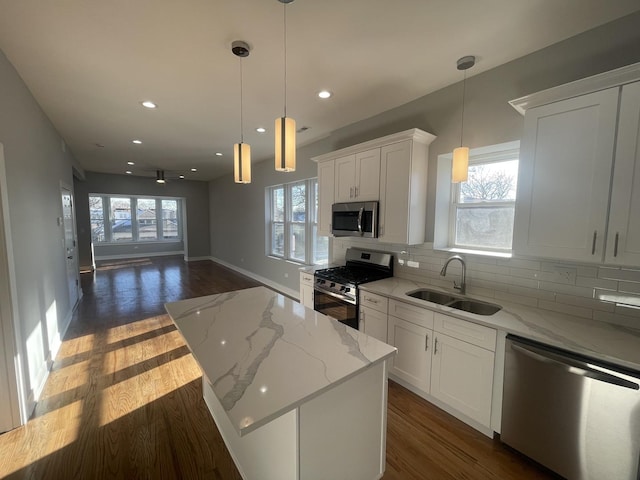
(355, 219)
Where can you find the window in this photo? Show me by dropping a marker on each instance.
(292, 228)
(477, 215)
(134, 219)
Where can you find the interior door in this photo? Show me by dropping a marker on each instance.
(70, 245)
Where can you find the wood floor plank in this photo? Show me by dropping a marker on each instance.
(124, 398)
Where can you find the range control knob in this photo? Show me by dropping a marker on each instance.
(333, 284)
(347, 289)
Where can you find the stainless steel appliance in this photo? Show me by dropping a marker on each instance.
(355, 219)
(336, 289)
(575, 415)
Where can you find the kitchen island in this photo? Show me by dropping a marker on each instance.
(295, 394)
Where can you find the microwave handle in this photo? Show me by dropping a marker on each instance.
(360, 220)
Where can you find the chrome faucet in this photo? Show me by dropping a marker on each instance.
(463, 282)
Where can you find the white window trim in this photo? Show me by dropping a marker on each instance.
(106, 215)
(311, 221)
(444, 229)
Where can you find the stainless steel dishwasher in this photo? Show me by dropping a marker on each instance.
(575, 415)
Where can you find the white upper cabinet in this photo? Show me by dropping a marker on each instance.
(391, 170)
(325, 197)
(623, 239)
(563, 180)
(357, 177)
(403, 193)
(569, 206)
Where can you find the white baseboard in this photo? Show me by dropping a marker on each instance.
(195, 259)
(270, 283)
(126, 256)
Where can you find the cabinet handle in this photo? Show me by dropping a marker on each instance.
(350, 192)
(426, 342)
(435, 349)
(357, 191)
(615, 246)
(371, 300)
(593, 245)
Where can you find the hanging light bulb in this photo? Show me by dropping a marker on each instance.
(285, 127)
(160, 176)
(241, 151)
(460, 166)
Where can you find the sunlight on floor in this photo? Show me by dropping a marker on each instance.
(121, 399)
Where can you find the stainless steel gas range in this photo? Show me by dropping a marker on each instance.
(336, 289)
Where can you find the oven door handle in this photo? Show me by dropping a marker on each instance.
(360, 213)
(336, 295)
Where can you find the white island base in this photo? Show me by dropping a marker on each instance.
(340, 434)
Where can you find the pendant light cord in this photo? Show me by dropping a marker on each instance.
(241, 116)
(464, 91)
(284, 6)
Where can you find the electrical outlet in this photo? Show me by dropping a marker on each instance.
(286, 275)
(413, 264)
(564, 274)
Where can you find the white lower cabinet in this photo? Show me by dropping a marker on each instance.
(462, 377)
(447, 360)
(412, 363)
(373, 323)
(306, 289)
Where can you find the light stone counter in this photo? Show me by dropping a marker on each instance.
(264, 354)
(608, 342)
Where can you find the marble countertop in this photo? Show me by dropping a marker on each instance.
(612, 343)
(265, 354)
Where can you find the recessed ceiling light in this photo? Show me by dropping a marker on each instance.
(137, 142)
(128, 172)
(324, 94)
(149, 104)
(194, 169)
(131, 163)
(181, 176)
(261, 129)
(218, 154)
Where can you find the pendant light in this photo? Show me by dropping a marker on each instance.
(241, 151)
(160, 176)
(460, 167)
(285, 152)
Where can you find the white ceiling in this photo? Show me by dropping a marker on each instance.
(90, 63)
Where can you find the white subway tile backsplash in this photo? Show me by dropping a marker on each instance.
(587, 291)
(597, 283)
(619, 274)
(567, 289)
(629, 287)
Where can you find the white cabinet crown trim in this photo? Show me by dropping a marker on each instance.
(414, 134)
(601, 81)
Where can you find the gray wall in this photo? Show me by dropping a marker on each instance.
(195, 194)
(489, 119)
(35, 167)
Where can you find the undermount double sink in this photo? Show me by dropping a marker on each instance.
(459, 303)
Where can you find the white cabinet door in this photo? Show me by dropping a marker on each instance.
(306, 289)
(374, 323)
(326, 173)
(367, 186)
(462, 377)
(412, 363)
(623, 238)
(345, 179)
(563, 180)
(403, 193)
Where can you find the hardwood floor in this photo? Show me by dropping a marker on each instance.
(124, 398)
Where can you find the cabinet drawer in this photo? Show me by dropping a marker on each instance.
(306, 278)
(372, 300)
(470, 332)
(411, 313)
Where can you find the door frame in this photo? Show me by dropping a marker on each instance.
(9, 318)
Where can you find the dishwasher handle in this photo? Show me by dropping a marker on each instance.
(573, 365)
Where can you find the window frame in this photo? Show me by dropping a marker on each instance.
(310, 223)
(135, 230)
(447, 194)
